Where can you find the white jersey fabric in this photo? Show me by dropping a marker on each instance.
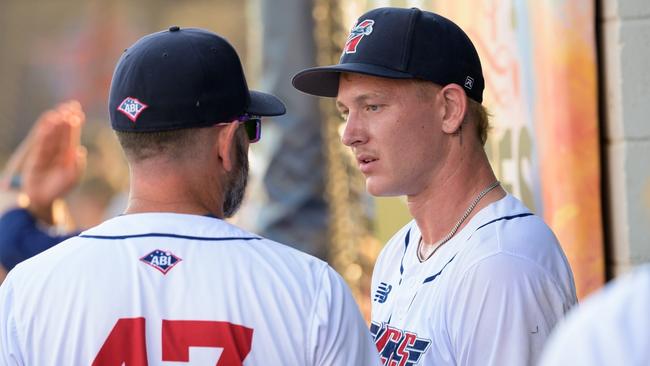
(489, 296)
(149, 289)
(611, 327)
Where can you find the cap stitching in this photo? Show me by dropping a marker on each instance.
(199, 56)
(406, 56)
(131, 72)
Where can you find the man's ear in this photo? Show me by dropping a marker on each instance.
(225, 143)
(455, 106)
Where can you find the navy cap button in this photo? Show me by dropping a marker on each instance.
(174, 28)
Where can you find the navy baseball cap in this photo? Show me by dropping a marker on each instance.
(401, 43)
(182, 78)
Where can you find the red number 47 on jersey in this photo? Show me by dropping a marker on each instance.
(126, 344)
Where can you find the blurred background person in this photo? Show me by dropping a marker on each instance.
(46, 167)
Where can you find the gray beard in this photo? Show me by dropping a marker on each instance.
(236, 187)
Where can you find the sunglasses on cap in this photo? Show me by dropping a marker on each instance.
(252, 125)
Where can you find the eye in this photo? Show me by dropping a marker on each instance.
(372, 107)
(344, 115)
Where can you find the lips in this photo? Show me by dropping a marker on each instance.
(366, 162)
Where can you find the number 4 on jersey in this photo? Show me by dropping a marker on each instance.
(126, 344)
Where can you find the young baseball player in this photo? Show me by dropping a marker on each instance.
(170, 280)
(475, 278)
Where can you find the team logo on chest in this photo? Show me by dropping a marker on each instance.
(398, 347)
(132, 107)
(364, 28)
(161, 260)
(381, 295)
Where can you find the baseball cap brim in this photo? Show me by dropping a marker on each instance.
(263, 104)
(323, 81)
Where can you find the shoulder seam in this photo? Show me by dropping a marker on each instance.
(528, 260)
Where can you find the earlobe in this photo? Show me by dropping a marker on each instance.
(455, 105)
(225, 144)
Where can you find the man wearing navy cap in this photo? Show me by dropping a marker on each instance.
(475, 278)
(170, 280)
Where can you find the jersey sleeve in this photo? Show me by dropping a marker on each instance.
(611, 327)
(502, 312)
(9, 350)
(22, 238)
(339, 335)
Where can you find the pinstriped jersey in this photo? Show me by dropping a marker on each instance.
(489, 296)
(147, 289)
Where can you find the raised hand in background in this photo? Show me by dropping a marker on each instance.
(50, 161)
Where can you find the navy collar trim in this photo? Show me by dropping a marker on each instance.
(166, 235)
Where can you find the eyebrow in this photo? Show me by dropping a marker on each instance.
(360, 99)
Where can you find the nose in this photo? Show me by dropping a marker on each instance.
(353, 133)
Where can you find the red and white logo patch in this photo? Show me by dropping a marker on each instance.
(132, 107)
(364, 28)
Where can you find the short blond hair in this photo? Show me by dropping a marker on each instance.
(478, 113)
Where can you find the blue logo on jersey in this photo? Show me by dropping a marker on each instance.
(382, 292)
(396, 346)
(161, 260)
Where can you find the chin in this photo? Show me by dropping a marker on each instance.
(381, 189)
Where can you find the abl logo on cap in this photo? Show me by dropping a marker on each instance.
(132, 107)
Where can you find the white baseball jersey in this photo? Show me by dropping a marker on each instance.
(611, 327)
(489, 296)
(172, 289)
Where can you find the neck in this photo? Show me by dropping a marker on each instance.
(176, 188)
(439, 207)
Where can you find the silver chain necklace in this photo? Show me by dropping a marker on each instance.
(460, 222)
